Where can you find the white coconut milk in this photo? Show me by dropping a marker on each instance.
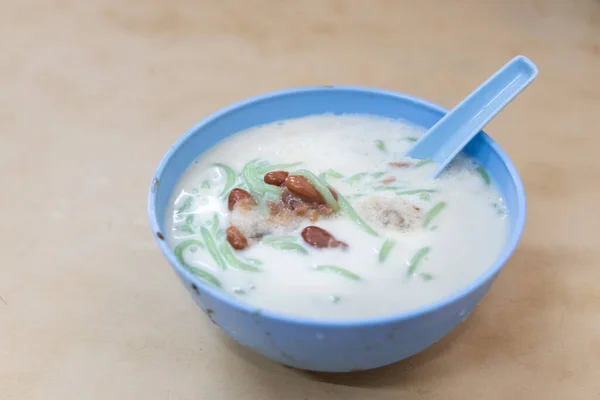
(433, 255)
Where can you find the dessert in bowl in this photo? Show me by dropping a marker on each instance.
(300, 228)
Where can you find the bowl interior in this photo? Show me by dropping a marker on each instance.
(295, 103)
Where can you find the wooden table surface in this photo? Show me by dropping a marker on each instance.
(93, 93)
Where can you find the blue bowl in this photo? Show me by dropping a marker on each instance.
(322, 345)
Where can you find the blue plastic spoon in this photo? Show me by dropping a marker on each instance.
(456, 129)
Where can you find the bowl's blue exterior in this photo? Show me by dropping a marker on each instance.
(319, 345)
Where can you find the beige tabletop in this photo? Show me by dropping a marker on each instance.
(93, 93)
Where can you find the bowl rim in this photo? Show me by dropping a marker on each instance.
(515, 232)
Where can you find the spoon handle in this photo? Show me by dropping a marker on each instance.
(452, 133)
